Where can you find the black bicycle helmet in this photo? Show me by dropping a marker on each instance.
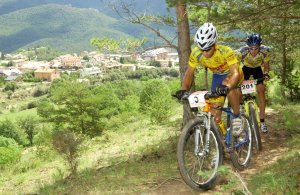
(254, 39)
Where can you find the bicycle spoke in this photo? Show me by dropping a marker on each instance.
(241, 154)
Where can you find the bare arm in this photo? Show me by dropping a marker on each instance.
(266, 67)
(188, 78)
(234, 76)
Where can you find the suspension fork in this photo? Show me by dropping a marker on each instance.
(199, 137)
(255, 108)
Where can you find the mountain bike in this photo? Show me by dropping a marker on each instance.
(200, 149)
(248, 88)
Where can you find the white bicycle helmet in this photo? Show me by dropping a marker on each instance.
(206, 36)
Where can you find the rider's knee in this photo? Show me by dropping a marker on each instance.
(218, 119)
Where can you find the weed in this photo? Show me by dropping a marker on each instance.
(280, 178)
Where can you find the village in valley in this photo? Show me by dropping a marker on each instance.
(86, 64)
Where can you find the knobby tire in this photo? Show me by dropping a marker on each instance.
(256, 134)
(240, 154)
(200, 173)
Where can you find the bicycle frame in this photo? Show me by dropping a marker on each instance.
(208, 116)
(229, 117)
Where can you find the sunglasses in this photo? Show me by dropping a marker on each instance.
(253, 48)
(206, 49)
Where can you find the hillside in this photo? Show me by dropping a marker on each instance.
(146, 164)
(65, 25)
(153, 6)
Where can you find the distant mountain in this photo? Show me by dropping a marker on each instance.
(104, 6)
(66, 25)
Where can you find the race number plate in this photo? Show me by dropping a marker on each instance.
(196, 99)
(248, 86)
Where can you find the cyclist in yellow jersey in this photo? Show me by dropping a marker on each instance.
(254, 57)
(227, 74)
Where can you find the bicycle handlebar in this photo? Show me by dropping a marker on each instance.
(213, 94)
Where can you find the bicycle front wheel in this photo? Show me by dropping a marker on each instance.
(255, 127)
(198, 163)
(241, 146)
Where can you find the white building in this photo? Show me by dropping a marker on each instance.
(93, 71)
(156, 54)
(12, 72)
(34, 65)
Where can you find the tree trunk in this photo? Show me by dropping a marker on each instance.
(184, 48)
(284, 65)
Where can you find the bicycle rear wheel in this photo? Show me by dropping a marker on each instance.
(197, 166)
(241, 146)
(254, 123)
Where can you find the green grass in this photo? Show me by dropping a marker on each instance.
(283, 177)
(290, 116)
(15, 115)
(131, 176)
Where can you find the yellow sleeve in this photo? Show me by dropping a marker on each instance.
(230, 57)
(268, 57)
(194, 59)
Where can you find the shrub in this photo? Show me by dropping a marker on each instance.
(43, 141)
(33, 104)
(10, 86)
(39, 91)
(155, 63)
(130, 104)
(274, 90)
(29, 125)
(174, 73)
(66, 143)
(9, 151)
(10, 130)
(155, 100)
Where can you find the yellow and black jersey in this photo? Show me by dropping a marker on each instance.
(245, 58)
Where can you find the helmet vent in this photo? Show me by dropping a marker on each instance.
(202, 45)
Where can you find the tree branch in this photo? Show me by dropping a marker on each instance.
(134, 18)
(257, 15)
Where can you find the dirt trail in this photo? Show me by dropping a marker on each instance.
(273, 148)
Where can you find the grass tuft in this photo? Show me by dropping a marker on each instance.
(281, 178)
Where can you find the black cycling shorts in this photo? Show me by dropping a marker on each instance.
(257, 73)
